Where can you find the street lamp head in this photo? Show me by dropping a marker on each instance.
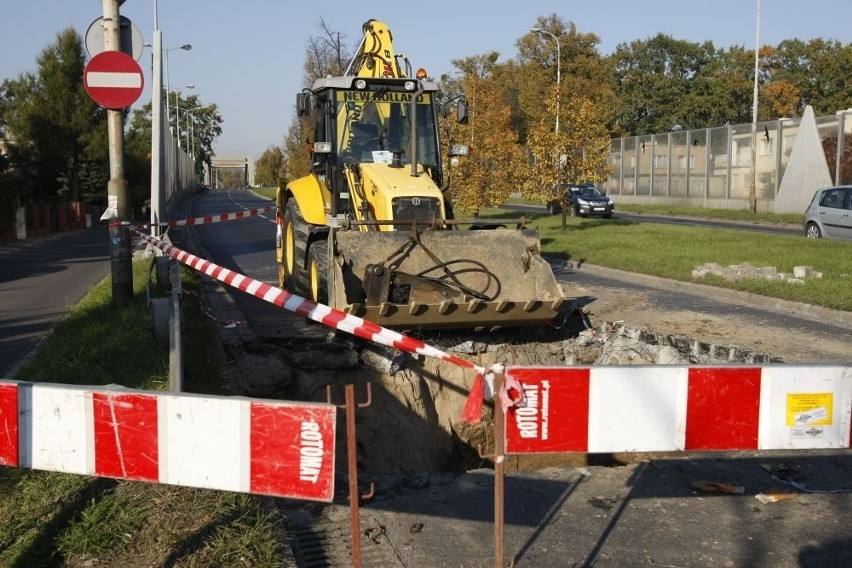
(185, 47)
(536, 30)
(190, 86)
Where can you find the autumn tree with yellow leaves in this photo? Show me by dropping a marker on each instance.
(494, 167)
(577, 153)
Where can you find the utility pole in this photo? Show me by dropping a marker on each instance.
(118, 207)
(752, 194)
(158, 149)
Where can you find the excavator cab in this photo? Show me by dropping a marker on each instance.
(365, 140)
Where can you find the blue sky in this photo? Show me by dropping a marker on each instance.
(247, 54)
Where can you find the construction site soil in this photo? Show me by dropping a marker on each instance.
(434, 498)
(419, 399)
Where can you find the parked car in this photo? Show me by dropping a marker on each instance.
(830, 213)
(582, 199)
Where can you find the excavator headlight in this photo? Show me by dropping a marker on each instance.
(360, 84)
(322, 147)
(410, 86)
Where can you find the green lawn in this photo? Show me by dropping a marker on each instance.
(673, 251)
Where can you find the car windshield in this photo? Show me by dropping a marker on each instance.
(587, 191)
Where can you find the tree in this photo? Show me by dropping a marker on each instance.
(200, 124)
(325, 54)
(819, 69)
(196, 125)
(270, 168)
(297, 157)
(10, 188)
(535, 70)
(577, 154)
(53, 121)
(653, 83)
(494, 168)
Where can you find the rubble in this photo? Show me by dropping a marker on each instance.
(620, 344)
(744, 271)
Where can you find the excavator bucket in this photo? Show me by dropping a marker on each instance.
(481, 279)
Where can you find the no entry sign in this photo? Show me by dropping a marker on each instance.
(113, 79)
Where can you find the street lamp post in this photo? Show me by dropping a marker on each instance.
(190, 127)
(558, 96)
(185, 47)
(558, 68)
(158, 173)
(752, 194)
(177, 113)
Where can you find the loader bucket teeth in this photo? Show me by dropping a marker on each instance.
(515, 287)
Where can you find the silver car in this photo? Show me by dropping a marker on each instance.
(830, 213)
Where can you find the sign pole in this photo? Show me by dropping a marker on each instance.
(117, 198)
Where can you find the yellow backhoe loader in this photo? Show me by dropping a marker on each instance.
(370, 231)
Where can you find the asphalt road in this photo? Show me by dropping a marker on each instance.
(248, 247)
(684, 221)
(667, 295)
(40, 279)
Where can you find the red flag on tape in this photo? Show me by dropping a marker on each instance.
(473, 407)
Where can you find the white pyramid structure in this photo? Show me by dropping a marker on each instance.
(807, 170)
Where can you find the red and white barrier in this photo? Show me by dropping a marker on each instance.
(207, 219)
(228, 443)
(660, 408)
(323, 314)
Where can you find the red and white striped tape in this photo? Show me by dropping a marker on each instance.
(323, 314)
(264, 447)
(666, 408)
(213, 218)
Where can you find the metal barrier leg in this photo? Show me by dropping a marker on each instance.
(352, 459)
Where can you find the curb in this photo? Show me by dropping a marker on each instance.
(817, 313)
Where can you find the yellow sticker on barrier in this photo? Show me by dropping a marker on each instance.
(810, 409)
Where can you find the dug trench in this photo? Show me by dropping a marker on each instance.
(412, 423)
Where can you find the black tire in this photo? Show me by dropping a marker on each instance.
(318, 271)
(294, 242)
(608, 216)
(812, 231)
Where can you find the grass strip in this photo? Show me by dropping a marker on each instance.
(56, 519)
(674, 251)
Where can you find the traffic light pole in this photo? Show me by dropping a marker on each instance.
(118, 213)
